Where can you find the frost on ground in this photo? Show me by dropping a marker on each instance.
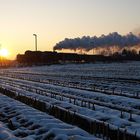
(110, 88)
(23, 122)
(105, 104)
(5, 134)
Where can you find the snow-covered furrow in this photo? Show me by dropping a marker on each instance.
(23, 122)
(112, 101)
(99, 99)
(5, 133)
(108, 86)
(127, 70)
(75, 78)
(81, 99)
(99, 113)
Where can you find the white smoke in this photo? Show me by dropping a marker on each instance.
(88, 43)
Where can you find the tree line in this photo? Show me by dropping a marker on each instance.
(48, 57)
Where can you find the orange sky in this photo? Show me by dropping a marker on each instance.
(54, 20)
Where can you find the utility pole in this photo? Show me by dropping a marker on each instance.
(35, 41)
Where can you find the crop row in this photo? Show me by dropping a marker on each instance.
(54, 96)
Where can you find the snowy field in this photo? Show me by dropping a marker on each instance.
(106, 94)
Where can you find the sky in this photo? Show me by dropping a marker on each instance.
(54, 20)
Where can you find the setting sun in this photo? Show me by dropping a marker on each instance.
(4, 52)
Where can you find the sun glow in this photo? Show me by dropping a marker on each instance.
(4, 52)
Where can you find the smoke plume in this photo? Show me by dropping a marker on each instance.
(88, 43)
(136, 31)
